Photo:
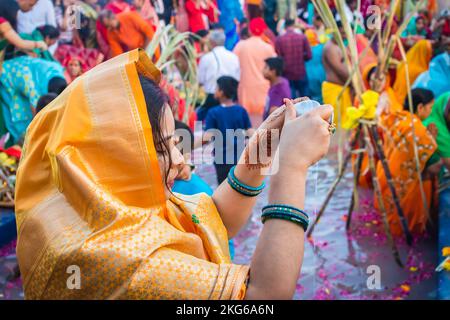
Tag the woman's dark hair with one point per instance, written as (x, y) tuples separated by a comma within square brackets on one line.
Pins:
[(156, 99), (419, 96), (229, 87), (49, 31), (45, 100), (275, 63)]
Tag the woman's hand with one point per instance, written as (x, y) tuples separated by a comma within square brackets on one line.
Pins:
[(259, 151), (41, 45), (306, 139)]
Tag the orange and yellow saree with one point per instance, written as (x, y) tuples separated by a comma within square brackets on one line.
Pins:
[(89, 197), (399, 151), (418, 58)]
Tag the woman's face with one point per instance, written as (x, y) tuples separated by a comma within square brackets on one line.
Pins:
[(168, 173), (74, 68)]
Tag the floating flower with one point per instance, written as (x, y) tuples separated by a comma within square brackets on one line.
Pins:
[(405, 288)]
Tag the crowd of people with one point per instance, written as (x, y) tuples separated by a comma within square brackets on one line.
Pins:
[(254, 58)]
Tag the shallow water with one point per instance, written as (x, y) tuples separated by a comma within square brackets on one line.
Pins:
[(335, 263)]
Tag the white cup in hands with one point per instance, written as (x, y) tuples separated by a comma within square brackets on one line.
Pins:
[(305, 139)]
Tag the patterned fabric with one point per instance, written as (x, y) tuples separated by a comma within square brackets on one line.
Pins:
[(96, 202), (23, 81), (399, 151)]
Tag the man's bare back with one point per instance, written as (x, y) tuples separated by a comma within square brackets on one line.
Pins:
[(333, 62)]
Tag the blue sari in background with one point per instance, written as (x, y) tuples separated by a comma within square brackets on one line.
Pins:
[(437, 78), (316, 73), (23, 81), (230, 10)]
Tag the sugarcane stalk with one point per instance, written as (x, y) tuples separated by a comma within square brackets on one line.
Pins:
[(376, 187), (335, 183), (354, 198), (415, 148), (379, 150)]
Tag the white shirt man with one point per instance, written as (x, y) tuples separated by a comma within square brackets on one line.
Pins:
[(42, 13), (215, 64)]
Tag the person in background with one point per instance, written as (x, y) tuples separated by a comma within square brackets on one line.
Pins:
[(201, 13), (437, 77), (440, 119), (43, 13), (230, 18), (74, 68), (336, 76), (49, 34), (270, 14), (116, 6), (9, 36), (24, 79), (314, 67), (418, 59), (400, 156), (254, 9), (252, 53), (147, 12), (126, 31), (279, 86), (9, 10), (45, 100), (216, 63), (226, 116), (294, 48)]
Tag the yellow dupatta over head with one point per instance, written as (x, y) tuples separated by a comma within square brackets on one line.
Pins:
[(90, 202), (418, 58)]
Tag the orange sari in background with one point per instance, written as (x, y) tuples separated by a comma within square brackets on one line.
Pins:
[(418, 57), (90, 198), (399, 151)]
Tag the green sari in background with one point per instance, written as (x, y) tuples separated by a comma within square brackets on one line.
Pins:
[(438, 117), (37, 36)]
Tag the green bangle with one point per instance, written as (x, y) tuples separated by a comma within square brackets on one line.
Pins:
[(242, 188), (294, 215), (297, 221), (282, 208)]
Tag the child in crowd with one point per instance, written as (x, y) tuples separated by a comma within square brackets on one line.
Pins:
[(229, 125), (279, 86)]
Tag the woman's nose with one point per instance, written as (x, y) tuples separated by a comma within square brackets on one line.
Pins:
[(177, 157)]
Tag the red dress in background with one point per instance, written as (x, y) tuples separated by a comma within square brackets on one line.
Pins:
[(198, 16)]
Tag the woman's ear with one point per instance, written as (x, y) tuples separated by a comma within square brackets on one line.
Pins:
[(420, 108)]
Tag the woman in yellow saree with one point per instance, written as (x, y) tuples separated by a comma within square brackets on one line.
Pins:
[(93, 195), (418, 58)]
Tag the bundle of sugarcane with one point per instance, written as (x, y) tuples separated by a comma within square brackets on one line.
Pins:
[(178, 63), (366, 128)]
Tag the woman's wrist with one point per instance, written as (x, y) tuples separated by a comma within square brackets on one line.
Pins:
[(287, 187)]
